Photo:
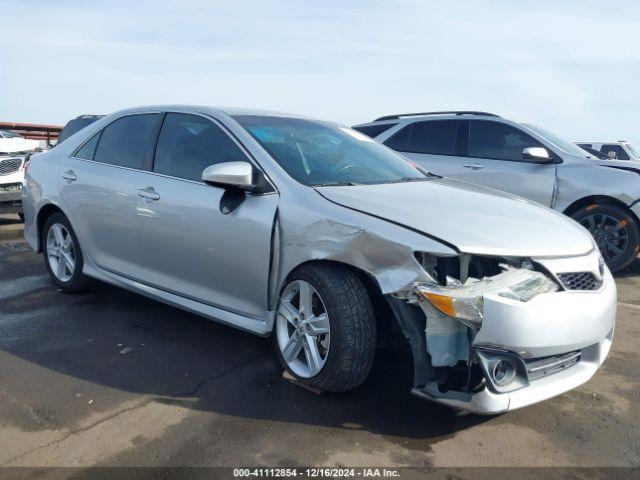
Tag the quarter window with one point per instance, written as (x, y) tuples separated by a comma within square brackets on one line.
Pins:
[(124, 141), (495, 140), (432, 137), (189, 143), (88, 150), (617, 149)]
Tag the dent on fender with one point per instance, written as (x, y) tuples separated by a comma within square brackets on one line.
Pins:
[(385, 251)]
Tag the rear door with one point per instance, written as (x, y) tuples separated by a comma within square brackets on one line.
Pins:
[(432, 144), (187, 245), (494, 159), (97, 186)]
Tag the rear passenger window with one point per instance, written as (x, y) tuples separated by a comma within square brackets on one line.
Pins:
[(189, 143), (124, 141), (88, 149), (495, 140), (374, 130), (433, 137)]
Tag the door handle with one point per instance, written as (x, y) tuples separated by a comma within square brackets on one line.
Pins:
[(473, 166), (148, 194), (69, 175)]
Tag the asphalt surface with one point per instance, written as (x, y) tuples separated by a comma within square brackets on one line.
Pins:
[(110, 378)]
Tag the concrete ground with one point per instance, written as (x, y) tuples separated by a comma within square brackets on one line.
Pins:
[(191, 392)]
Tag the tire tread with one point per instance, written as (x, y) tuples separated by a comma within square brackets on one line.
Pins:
[(353, 340)]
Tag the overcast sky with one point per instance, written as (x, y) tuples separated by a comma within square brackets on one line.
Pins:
[(570, 66)]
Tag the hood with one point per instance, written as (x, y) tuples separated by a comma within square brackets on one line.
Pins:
[(11, 145), (472, 218)]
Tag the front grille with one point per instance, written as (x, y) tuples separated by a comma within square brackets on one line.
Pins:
[(10, 165), (545, 366), (580, 281)]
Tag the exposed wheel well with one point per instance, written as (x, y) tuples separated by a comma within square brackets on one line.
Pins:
[(381, 308), (595, 199), (44, 213)]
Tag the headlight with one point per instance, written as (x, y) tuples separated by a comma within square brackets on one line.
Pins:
[(465, 301)]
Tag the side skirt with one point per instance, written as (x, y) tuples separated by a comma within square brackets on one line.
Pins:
[(256, 326)]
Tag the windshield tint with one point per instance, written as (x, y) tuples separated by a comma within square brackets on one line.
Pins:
[(316, 153), (568, 147)]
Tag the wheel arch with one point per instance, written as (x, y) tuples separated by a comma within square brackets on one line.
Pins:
[(43, 214), (599, 199), (381, 307)]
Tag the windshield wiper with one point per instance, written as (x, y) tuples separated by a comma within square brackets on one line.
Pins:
[(412, 179), (337, 184)]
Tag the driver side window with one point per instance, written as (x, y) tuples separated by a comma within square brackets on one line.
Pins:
[(499, 141), (189, 143)]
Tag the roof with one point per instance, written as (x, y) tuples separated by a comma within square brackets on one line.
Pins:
[(213, 109), (446, 112)]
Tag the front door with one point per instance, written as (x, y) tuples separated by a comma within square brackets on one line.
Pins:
[(187, 245), (494, 159)]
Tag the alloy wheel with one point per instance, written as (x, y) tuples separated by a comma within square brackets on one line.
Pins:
[(610, 234), (60, 252), (303, 329)]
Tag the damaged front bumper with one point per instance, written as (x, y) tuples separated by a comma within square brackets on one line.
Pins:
[(523, 352), (487, 401)]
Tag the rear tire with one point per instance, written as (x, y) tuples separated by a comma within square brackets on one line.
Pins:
[(62, 254), (614, 230), (347, 345)]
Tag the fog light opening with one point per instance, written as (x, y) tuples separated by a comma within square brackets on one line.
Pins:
[(503, 372)]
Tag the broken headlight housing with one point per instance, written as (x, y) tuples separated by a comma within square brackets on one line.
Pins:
[(464, 301)]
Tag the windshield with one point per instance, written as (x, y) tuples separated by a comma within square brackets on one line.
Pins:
[(74, 126), (316, 153), (9, 134), (631, 150), (557, 141)]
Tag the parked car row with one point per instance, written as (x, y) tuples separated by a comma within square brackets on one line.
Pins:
[(329, 241), (14, 149)]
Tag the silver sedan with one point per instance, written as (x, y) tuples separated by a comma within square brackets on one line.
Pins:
[(312, 233)]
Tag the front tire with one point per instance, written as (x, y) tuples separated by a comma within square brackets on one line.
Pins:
[(615, 232), (62, 254), (325, 329)]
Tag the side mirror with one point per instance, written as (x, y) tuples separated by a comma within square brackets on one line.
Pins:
[(237, 178), (537, 154), (612, 155), (230, 174)]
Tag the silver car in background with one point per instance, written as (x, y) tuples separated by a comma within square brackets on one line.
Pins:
[(527, 161), (313, 233)]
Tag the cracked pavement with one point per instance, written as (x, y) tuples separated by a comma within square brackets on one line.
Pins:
[(191, 392)]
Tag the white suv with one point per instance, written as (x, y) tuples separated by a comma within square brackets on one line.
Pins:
[(527, 161), (620, 150), (13, 151)]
